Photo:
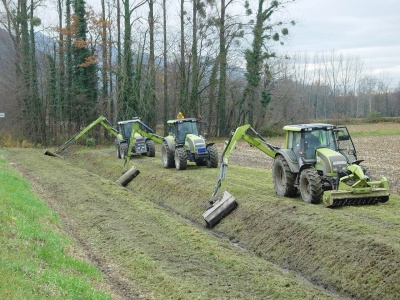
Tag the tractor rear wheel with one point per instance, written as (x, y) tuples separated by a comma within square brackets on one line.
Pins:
[(284, 179), (212, 161), (310, 186), (180, 158), (123, 150), (167, 156), (151, 148), (117, 152)]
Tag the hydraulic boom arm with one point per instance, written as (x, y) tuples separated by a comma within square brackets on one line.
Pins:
[(101, 120), (240, 133)]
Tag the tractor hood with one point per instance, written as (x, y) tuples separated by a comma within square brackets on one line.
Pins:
[(195, 143), (330, 162)]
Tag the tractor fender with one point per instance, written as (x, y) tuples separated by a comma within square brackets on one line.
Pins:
[(290, 158), (209, 144), (119, 139)]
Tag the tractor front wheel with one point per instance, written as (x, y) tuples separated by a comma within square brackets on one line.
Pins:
[(284, 179), (180, 158), (151, 148), (167, 156), (310, 186), (212, 161)]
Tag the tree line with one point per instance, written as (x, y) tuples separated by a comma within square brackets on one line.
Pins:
[(217, 59)]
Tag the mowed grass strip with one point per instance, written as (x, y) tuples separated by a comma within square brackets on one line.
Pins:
[(36, 260), (163, 253), (354, 251)]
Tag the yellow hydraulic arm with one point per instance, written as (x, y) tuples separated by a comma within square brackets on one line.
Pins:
[(101, 120), (240, 133)]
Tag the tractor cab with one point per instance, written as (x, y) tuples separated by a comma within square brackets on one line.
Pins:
[(305, 139), (179, 128), (123, 138)]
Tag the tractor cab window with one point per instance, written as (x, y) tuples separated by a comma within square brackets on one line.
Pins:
[(326, 138), (345, 144), (311, 143), (126, 129), (185, 128), (295, 142)]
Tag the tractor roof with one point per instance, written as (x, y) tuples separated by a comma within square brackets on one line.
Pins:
[(175, 121), (308, 127)]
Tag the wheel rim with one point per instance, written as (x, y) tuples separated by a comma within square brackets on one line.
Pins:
[(306, 187), (164, 156), (280, 179)]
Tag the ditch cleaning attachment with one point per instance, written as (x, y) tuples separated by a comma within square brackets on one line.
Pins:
[(222, 202), (357, 189)]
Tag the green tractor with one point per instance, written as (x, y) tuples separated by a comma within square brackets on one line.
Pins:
[(319, 162), (128, 137), (184, 143)]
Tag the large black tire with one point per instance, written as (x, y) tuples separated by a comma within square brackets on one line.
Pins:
[(310, 186), (212, 161), (284, 179), (167, 156), (151, 148), (123, 150), (180, 158)]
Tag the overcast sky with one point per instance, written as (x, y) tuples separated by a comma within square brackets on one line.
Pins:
[(369, 30), (366, 29)]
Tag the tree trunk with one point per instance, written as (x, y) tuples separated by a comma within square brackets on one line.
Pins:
[(182, 79), (221, 104), (152, 83), (165, 86), (195, 68)]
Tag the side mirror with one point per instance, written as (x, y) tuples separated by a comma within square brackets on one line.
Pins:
[(343, 137)]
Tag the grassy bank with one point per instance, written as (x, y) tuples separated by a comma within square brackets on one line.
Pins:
[(162, 254), (354, 251), (37, 261)]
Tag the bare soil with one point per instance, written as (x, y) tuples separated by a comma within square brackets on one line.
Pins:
[(351, 252)]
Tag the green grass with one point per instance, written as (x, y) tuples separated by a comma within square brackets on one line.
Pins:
[(377, 132), (162, 254), (36, 260), (352, 250)]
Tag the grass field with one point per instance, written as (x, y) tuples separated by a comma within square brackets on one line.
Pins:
[(37, 260)]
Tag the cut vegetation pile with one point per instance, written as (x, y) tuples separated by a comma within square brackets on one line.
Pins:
[(154, 234)]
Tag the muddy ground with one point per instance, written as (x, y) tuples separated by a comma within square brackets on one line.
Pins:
[(293, 249)]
